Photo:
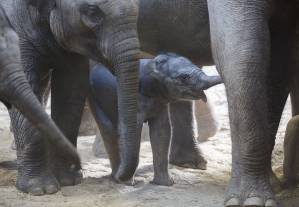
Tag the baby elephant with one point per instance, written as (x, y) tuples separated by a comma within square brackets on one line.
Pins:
[(166, 78)]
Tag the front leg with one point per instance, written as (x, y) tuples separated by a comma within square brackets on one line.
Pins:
[(291, 139), (69, 91), (185, 151), (160, 133), (241, 48), (108, 131)]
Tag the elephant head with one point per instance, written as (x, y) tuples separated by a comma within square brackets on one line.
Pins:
[(106, 31), (15, 90), (178, 77)]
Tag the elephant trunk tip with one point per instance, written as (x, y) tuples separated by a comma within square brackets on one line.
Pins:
[(126, 171), (63, 145), (212, 81)]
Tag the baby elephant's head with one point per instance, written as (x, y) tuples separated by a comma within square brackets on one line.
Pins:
[(181, 78)]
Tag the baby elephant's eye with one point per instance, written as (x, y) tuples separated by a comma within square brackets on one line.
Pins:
[(161, 61), (184, 77)]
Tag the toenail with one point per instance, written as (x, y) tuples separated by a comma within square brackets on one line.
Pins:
[(36, 191), (271, 203), (254, 202), (233, 202), (51, 189)]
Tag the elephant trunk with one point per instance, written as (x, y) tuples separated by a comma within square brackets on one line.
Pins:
[(205, 81), (126, 61), (16, 90)]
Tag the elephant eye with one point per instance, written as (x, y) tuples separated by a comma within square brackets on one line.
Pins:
[(92, 10), (161, 61), (92, 15), (184, 77)]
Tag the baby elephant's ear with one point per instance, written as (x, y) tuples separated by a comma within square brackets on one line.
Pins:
[(154, 72)]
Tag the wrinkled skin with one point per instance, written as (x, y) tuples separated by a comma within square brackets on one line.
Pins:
[(254, 48), (254, 45), (16, 91), (58, 37), (163, 80)]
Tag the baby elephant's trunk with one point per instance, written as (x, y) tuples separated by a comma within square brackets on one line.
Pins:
[(206, 82)]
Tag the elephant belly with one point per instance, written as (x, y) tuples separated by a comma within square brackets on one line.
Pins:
[(178, 26)]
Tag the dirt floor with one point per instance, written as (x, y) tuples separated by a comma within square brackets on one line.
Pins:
[(192, 187)]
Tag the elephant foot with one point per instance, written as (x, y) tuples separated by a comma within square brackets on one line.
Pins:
[(68, 176), (248, 191), (130, 182), (188, 158), (164, 180), (45, 183)]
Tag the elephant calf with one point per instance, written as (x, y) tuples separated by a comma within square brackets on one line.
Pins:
[(166, 78)]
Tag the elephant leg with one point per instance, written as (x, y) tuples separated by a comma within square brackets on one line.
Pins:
[(241, 46), (34, 174), (290, 164), (160, 134), (185, 151), (291, 140), (282, 68), (109, 134), (69, 89)]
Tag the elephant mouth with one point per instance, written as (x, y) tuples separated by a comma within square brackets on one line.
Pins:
[(202, 96), (195, 96)]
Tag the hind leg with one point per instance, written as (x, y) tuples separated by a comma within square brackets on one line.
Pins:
[(185, 151), (291, 144)]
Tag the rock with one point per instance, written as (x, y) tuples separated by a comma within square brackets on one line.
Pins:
[(98, 147), (207, 125), (88, 125)]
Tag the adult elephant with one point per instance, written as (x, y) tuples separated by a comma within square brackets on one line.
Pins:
[(253, 45), (60, 36)]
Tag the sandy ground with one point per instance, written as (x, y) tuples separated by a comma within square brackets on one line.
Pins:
[(192, 187)]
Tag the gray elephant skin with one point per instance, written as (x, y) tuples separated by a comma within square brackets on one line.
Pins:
[(16, 91), (255, 48), (58, 37), (166, 78)]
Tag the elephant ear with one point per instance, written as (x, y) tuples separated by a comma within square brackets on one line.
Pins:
[(151, 66), (91, 15)]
